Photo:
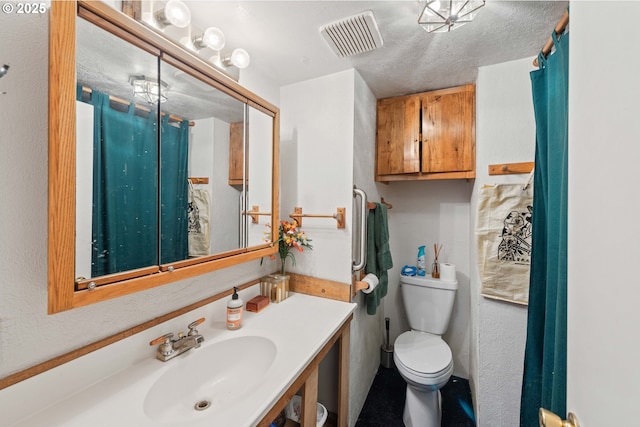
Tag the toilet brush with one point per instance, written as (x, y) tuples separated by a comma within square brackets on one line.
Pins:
[(386, 351)]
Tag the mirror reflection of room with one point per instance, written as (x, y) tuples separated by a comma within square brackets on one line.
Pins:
[(157, 152)]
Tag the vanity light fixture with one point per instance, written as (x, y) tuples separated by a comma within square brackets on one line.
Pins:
[(441, 16), (174, 13), (148, 89), (213, 38), (238, 58), (3, 70)]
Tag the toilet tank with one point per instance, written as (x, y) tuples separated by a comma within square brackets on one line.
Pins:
[(428, 302)]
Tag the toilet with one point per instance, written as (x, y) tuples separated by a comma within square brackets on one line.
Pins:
[(421, 356)]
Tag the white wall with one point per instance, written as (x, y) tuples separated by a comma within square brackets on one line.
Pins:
[(603, 232), (505, 133), (366, 330), (27, 334), (316, 157), (322, 120), (424, 213)]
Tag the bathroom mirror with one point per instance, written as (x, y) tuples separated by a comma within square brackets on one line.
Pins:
[(144, 140)]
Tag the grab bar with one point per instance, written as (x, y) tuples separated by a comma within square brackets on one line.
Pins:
[(363, 229)]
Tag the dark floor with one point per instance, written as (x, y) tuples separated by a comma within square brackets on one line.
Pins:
[(385, 402)]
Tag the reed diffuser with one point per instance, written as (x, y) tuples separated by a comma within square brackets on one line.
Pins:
[(435, 269)]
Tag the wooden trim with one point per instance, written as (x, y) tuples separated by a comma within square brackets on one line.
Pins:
[(132, 8), (62, 153), (320, 287), (343, 379), (61, 216), (286, 396), (309, 398), (82, 351), (127, 287), (199, 180), (511, 168), (144, 108), (116, 277), (426, 176), (339, 216), (275, 177)]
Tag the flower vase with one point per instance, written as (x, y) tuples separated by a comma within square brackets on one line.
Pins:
[(283, 265)]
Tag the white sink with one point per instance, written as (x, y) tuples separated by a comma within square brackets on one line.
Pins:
[(209, 379)]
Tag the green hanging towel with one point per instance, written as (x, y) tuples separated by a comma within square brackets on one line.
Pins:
[(378, 255)]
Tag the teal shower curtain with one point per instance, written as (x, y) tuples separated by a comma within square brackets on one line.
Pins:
[(545, 364), (174, 150), (125, 191), (127, 205)]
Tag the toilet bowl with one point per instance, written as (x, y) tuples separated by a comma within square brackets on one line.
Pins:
[(421, 356), (425, 363)]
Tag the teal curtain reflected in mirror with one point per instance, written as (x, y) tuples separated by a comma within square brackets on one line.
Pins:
[(128, 229), (174, 143), (125, 192)]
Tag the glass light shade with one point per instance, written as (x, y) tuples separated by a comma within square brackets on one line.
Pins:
[(447, 15), (239, 58), (213, 38), (151, 91), (174, 13)]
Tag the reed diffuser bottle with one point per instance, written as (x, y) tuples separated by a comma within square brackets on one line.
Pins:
[(435, 269)]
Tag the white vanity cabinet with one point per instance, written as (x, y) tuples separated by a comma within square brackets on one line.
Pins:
[(111, 387)]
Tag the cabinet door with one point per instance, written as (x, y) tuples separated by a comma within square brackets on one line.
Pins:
[(448, 130), (398, 130), (236, 153)]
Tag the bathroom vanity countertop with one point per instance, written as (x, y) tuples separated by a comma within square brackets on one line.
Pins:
[(298, 326)]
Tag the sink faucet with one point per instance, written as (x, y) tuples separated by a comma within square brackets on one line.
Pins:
[(170, 348)]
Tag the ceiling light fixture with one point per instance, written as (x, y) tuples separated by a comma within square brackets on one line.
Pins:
[(238, 58), (213, 38), (148, 89), (174, 13), (444, 16)]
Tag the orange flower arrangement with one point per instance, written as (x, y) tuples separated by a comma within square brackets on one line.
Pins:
[(290, 237)]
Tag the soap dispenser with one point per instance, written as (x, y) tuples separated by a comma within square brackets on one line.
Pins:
[(234, 311)]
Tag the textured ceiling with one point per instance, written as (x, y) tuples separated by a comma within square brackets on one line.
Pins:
[(284, 40)]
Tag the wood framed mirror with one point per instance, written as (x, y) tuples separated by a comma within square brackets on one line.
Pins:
[(209, 110)]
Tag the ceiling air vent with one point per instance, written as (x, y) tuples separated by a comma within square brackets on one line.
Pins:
[(353, 35)]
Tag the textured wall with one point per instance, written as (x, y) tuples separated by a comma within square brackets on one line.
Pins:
[(505, 133), (426, 212), (328, 135), (603, 313)]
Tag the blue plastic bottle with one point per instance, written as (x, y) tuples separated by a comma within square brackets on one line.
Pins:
[(422, 264)]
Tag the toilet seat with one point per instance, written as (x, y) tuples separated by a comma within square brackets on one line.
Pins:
[(423, 358)]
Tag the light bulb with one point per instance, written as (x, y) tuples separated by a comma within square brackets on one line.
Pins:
[(213, 38), (175, 13), (240, 58), (433, 8)]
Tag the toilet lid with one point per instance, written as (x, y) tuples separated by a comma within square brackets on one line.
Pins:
[(423, 352)]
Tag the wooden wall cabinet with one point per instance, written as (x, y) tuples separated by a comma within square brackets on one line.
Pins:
[(237, 165), (429, 135)]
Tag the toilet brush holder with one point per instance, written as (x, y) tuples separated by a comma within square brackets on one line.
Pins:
[(386, 356), (386, 350)]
